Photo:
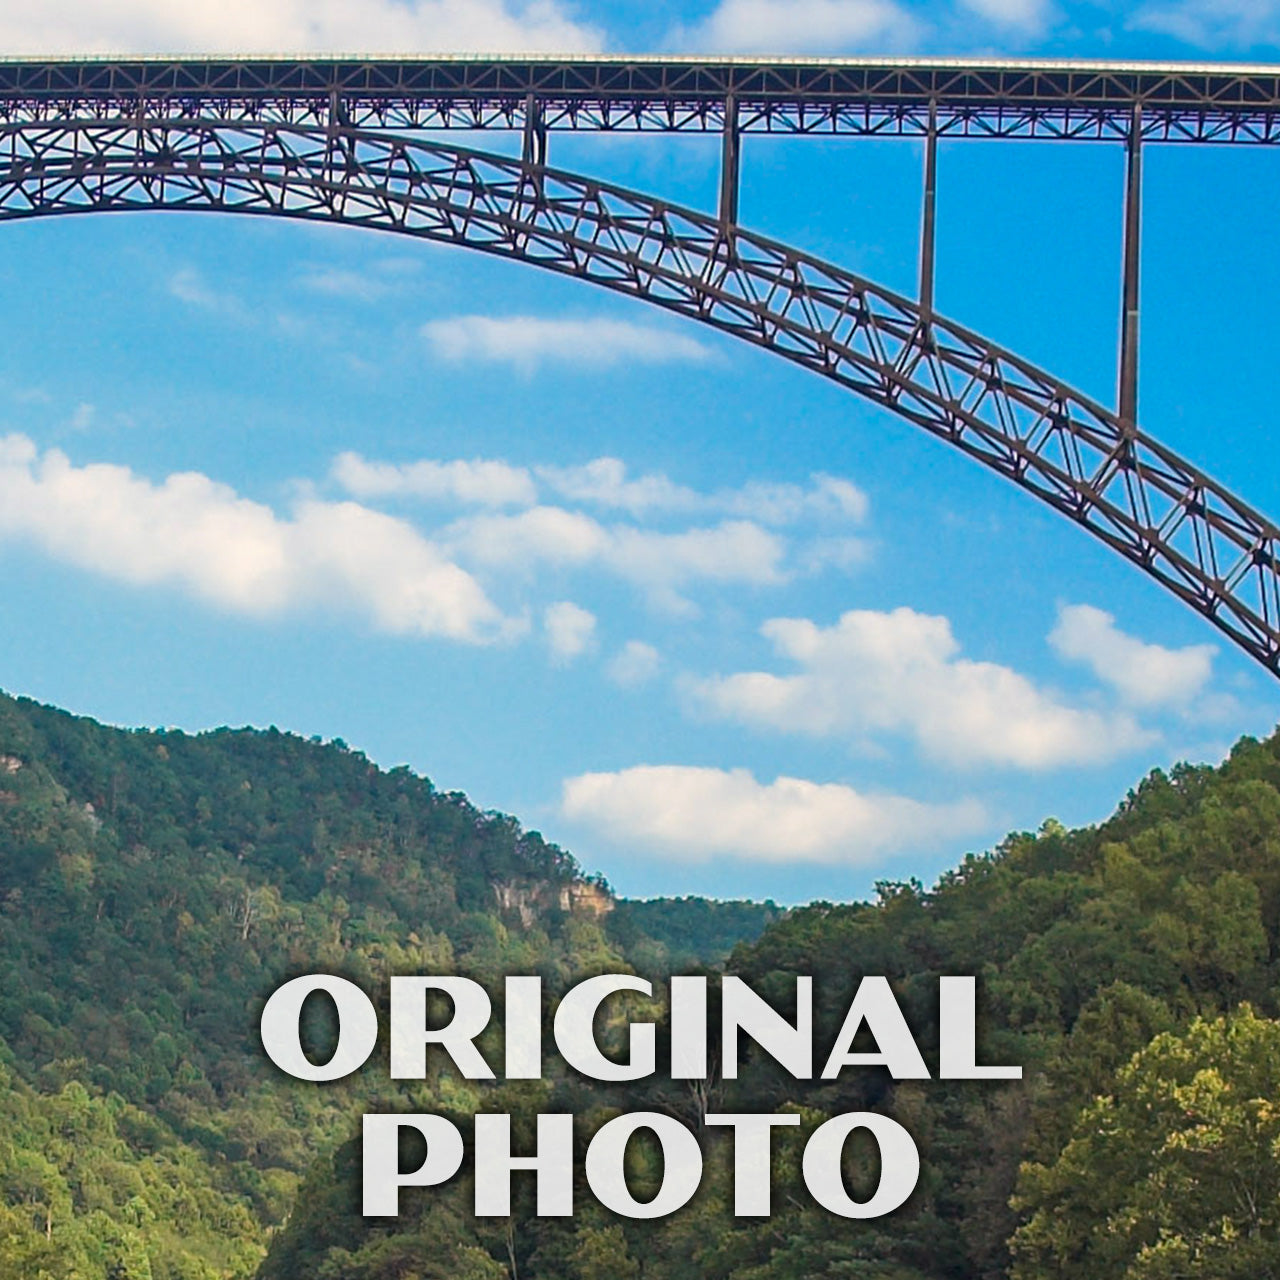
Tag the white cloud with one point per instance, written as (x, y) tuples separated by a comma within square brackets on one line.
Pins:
[(901, 672), (1028, 16), (844, 554), (827, 497), (540, 535), (189, 286), (662, 564), (734, 551), (84, 417), (803, 26), (1213, 24), (478, 482), (341, 282), (1145, 675), (634, 664), (605, 482), (192, 532), (693, 814), (530, 341), (571, 630), (292, 26)]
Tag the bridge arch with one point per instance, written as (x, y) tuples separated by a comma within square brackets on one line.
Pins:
[(1211, 549)]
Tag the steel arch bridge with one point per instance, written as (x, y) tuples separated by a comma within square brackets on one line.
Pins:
[(352, 142)]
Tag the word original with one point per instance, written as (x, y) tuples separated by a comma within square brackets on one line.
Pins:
[(873, 1013)]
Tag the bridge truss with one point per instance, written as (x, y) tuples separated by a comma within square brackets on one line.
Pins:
[(299, 140)]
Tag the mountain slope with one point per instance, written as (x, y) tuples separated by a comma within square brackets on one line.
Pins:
[(155, 888), (1091, 946)]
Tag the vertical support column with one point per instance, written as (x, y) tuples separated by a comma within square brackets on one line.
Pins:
[(339, 150), (534, 150), (338, 117), (928, 220), (1132, 257), (729, 164)]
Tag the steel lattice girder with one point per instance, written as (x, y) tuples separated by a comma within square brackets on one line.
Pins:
[(1074, 100), (1208, 547)]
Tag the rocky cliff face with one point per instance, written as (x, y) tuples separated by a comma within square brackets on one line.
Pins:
[(584, 897), (528, 901)]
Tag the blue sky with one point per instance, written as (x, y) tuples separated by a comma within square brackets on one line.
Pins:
[(708, 622)]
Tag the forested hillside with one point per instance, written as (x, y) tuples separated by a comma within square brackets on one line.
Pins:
[(1132, 968), (156, 887)]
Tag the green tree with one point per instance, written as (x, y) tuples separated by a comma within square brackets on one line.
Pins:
[(1174, 1175), (600, 1253)]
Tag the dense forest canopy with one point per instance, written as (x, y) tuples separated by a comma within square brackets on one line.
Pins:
[(155, 887)]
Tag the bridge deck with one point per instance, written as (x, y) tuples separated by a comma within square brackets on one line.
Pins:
[(1212, 102)]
